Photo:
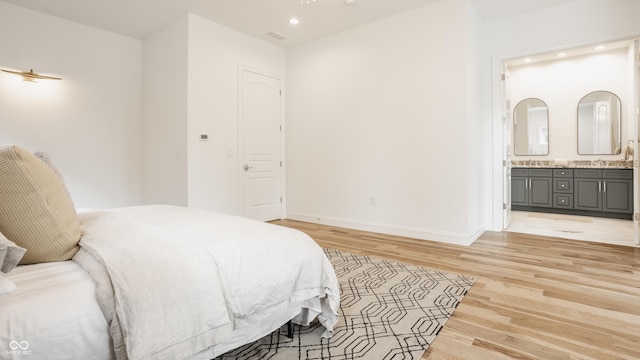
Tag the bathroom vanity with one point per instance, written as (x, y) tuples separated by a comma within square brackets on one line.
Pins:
[(601, 188), (590, 191)]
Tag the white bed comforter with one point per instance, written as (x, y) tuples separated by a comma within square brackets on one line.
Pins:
[(174, 281)]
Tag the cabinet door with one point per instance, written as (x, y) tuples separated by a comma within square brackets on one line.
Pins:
[(540, 193), (587, 194), (617, 196), (519, 191)]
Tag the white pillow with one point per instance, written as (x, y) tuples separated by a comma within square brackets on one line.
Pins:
[(6, 286), (46, 158), (10, 254)]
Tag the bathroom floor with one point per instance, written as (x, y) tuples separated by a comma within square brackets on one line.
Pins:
[(611, 231)]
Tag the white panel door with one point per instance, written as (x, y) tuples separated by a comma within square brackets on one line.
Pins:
[(260, 132)]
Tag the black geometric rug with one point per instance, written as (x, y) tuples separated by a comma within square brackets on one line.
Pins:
[(388, 310)]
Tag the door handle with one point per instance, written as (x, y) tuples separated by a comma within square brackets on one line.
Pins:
[(247, 167)]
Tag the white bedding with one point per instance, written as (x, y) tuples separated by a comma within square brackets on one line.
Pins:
[(191, 282), (266, 275), (52, 315)]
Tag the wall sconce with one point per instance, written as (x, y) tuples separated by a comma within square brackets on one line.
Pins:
[(31, 76)]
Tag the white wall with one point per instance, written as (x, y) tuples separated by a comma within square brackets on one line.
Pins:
[(383, 111), (573, 24), (191, 88), (90, 120), (215, 55), (164, 120), (561, 84), (375, 111), (478, 134)]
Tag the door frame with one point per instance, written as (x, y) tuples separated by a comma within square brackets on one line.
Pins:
[(241, 141), (507, 136), (635, 131), (497, 114)]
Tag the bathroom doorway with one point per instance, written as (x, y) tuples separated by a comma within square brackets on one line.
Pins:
[(563, 135)]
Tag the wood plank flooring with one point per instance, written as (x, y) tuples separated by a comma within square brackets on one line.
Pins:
[(535, 297)]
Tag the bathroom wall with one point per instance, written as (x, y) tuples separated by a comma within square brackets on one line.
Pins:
[(561, 84)]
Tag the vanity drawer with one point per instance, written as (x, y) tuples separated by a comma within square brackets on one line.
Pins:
[(587, 173), (563, 185), (568, 173), (563, 201), (540, 172), (617, 174), (519, 172)]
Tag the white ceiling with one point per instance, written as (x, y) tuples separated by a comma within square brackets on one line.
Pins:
[(534, 59), (257, 18)]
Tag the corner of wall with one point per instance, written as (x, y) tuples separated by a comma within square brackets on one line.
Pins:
[(164, 116)]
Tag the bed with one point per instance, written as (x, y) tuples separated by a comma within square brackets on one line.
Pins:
[(150, 282)]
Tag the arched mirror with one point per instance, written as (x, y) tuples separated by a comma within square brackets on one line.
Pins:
[(531, 127), (599, 124)]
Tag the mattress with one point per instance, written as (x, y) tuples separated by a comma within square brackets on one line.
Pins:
[(53, 314)]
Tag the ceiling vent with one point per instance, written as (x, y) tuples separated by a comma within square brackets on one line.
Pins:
[(275, 35)]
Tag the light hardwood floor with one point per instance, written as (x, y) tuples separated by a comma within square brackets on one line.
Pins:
[(610, 231), (535, 297)]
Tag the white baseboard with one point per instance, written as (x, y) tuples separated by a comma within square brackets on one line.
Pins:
[(416, 233)]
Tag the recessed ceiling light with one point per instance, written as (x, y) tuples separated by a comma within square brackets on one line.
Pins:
[(294, 21), (600, 47), (527, 60), (562, 54)]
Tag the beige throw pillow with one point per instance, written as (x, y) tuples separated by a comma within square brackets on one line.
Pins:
[(35, 210)]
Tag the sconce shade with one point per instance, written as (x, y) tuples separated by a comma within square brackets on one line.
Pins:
[(30, 75)]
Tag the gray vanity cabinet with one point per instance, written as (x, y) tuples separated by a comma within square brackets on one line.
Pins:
[(520, 187), (563, 188), (531, 187), (588, 189), (578, 191), (608, 190), (618, 196)]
